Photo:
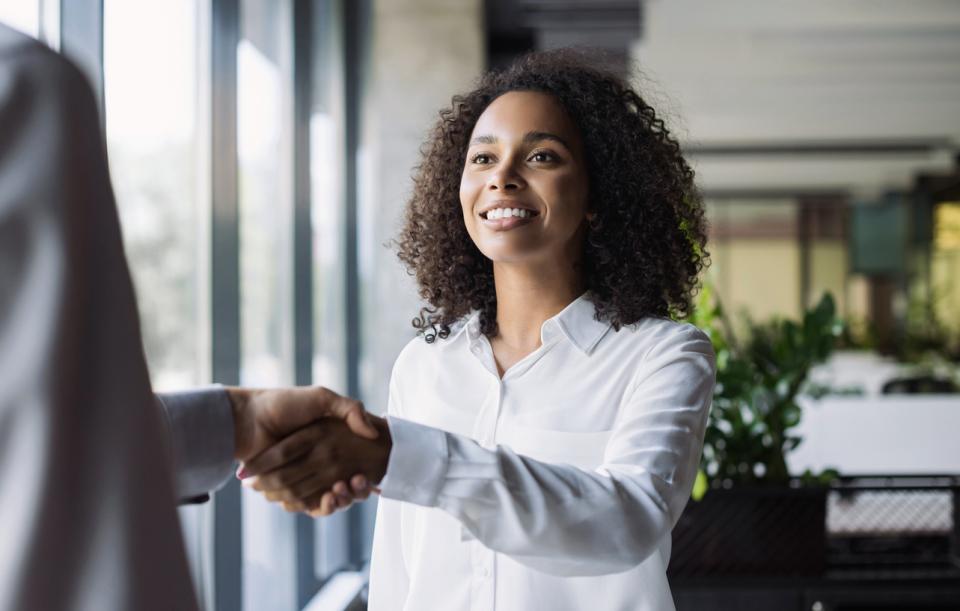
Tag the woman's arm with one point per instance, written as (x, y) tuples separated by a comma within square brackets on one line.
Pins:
[(560, 519)]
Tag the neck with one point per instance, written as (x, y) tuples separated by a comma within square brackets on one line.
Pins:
[(528, 295)]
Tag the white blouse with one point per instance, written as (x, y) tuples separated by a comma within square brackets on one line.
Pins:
[(555, 487)]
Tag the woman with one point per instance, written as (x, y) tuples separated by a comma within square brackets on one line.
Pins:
[(554, 229)]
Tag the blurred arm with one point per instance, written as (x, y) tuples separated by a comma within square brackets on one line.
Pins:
[(201, 426)]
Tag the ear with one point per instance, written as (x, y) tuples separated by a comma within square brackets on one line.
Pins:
[(590, 216)]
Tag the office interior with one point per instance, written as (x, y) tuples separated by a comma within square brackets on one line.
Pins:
[(261, 153)]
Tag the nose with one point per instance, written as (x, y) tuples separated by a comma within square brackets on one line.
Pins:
[(505, 178)]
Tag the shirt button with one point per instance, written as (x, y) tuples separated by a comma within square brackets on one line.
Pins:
[(475, 349), (485, 572)]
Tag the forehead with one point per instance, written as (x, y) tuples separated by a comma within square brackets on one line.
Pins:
[(516, 113)]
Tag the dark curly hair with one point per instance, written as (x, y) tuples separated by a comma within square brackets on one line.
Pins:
[(645, 245)]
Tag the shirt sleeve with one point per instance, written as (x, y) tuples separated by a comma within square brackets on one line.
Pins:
[(200, 423), (560, 519)]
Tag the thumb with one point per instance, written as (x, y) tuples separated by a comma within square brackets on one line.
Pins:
[(357, 419)]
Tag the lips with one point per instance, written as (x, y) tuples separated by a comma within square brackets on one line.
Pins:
[(507, 224)]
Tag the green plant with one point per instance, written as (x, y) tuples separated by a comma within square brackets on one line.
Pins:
[(755, 408)]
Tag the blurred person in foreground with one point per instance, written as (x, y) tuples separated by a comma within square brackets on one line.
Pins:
[(547, 425), (91, 463)]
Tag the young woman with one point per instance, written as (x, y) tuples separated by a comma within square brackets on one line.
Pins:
[(547, 424)]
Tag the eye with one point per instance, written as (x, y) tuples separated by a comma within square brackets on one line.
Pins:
[(543, 157), (480, 159)]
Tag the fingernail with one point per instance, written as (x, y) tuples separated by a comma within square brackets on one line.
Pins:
[(241, 473)]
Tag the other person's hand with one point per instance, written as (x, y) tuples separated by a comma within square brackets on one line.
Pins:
[(262, 417)]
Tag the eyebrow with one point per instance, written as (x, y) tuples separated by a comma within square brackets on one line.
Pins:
[(528, 138)]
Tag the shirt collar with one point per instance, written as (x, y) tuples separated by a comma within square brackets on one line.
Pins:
[(577, 322)]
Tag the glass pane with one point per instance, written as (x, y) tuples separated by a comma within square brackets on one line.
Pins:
[(264, 64), (22, 15), (151, 86)]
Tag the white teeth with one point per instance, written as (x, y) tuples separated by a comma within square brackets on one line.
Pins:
[(505, 213)]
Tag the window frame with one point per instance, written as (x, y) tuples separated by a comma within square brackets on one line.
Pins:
[(76, 28)]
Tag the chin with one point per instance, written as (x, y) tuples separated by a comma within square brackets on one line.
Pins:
[(511, 255)]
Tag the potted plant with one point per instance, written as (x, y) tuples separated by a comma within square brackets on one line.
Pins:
[(749, 515)]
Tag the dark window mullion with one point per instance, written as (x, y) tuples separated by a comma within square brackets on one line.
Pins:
[(225, 272), (307, 582), (356, 19)]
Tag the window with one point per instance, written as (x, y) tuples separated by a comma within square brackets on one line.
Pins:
[(264, 144), (154, 138), (172, 151), (22, 15)]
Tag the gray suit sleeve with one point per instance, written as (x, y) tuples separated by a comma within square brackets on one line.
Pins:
[(201, 440)]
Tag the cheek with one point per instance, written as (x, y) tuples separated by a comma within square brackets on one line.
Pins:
[(471, 188), (569, 196), (468, 199)]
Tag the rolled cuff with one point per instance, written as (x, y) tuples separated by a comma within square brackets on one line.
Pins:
[(418, 463), (201, 439)]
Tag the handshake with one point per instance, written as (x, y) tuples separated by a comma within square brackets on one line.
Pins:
[(301, 446)]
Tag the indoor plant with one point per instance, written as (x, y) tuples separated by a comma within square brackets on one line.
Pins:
[(749, 516)]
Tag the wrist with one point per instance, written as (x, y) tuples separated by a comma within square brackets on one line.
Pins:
[(385, 441)]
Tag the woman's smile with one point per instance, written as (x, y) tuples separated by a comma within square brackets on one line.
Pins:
[(504, 214)]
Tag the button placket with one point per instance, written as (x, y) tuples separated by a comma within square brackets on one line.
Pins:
[(483, 582)]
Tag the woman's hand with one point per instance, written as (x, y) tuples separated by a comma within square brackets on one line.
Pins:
[(341, 496), (309, 470)]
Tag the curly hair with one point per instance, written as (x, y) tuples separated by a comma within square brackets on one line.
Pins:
[(645, 243)]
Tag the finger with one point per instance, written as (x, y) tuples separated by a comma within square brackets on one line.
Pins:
[(344, 495), (322, 506), (301, 491), (286, 477), (359, 489), (359, 485), (283, 452), (355, 491), (278, 497)]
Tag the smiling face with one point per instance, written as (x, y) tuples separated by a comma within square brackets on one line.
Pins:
[(524, 184)]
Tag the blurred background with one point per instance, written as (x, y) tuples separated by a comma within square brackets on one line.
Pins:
[(261, 153)]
